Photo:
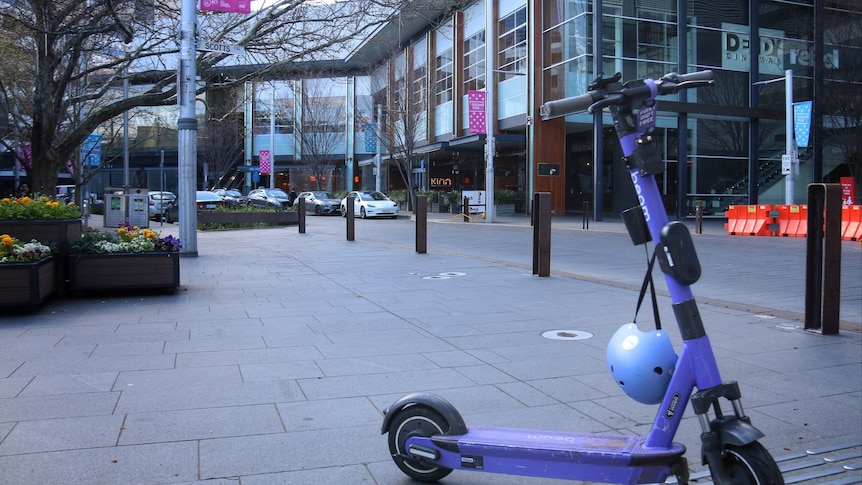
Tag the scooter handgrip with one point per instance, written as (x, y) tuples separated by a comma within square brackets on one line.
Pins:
[(695, 76), (567, 106)]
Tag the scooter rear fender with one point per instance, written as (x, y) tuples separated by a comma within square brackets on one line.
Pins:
[(457, 426)]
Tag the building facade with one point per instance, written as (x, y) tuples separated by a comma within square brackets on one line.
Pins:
[(398, 111)]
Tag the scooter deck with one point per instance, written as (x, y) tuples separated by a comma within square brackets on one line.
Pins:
[(594, 448), (555, 454)]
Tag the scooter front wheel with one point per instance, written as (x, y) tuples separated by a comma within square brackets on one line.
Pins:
[(413, 421), (751, 465)]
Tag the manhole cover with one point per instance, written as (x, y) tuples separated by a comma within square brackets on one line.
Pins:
[(452, 273), (567, 335), (437, 277)]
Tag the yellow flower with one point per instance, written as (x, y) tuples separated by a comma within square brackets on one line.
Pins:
[(7, 200), (25, 200), (7, 240)]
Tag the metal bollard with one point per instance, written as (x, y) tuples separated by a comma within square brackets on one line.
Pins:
[(698, 218), (421, 224), (585, 224), (466, 209), (351, 220), (301, 211), (542, 234), (823, 259)]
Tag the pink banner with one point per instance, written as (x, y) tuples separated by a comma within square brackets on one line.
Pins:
[(232, 6), (264, 161), (476, 111)]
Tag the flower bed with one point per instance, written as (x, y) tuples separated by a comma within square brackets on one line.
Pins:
[(123, 271), (27, 284), (27, 272), (130, 258)]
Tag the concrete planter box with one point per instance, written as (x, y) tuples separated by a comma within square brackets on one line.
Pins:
[(504, 209), (27, 284), (123, 271)]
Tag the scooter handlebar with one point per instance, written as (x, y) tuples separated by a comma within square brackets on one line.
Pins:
[(575, 104), (668, 84), (673, 82)]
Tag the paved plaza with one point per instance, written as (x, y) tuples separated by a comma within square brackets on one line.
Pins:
[(273, 362)]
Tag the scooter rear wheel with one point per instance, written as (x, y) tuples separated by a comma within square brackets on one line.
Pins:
[(413, 421), (751, 465)]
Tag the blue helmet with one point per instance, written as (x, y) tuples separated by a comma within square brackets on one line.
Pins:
[(641, 362)]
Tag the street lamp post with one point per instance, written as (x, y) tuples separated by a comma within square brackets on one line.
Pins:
[(490, 112), (789, 163), (187, 126)]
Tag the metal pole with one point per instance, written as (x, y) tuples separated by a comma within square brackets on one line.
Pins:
[(490, 56), (126, 184), (272, 141), (789, 140), (378, 177), (162, 186), (187, 127)]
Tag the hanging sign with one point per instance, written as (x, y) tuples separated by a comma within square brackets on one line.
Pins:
[(264, 159), (476, 111), (231, 6), (802, 122)]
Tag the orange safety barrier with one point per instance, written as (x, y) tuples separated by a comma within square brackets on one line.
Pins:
[(734, 223), (752, 220), (851, 223), (792, 220)]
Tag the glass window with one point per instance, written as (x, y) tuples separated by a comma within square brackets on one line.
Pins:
[(474, 62), (512, 42), (443, 77)]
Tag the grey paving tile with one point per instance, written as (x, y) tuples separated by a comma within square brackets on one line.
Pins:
[(196, 396), (252, 356), (160, 463), (302, 450), (57, 384), (200, 424), (25, 408), (62, 434)]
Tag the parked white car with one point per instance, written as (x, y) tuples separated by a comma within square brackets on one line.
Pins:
[(370, 203)]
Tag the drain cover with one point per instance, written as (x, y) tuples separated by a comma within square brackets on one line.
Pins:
[(437, 277), (567, 335), (452, 273)]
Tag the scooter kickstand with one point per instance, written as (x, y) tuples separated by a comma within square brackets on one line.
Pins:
[(679, 469)]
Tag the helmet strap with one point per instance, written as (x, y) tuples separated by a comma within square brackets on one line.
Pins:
[(648, 282)]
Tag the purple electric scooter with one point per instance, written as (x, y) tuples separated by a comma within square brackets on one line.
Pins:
[(428, 438)]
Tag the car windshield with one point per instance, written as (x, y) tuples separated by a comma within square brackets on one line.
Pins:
[(373, 196), (322, 195), (276, 193), (207, 196), (164, 196), (232, 193)]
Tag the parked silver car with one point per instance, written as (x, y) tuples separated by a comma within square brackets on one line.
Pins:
[(159, 203), (320, 202)]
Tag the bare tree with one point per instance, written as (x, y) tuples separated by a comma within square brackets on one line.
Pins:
[(324, 117), (76, 55), (401, 87), (221, 138)]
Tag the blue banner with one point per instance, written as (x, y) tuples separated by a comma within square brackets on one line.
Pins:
[(91, 151), (802, 122)]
